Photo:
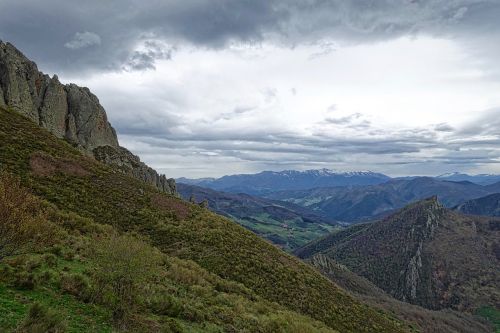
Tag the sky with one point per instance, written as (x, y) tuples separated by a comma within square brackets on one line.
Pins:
[(204, 88)]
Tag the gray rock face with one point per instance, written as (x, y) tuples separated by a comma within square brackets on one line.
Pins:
[(70, 112), (130, 164), (90, 121)]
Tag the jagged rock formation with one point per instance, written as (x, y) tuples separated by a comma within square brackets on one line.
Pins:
[(424, 254), (68, 111), (132, 165)]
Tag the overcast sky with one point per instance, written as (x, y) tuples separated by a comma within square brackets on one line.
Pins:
[(211, 87)]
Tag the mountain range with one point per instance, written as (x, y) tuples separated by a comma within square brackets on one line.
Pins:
[(481, 179), (353, 204), (271, 181)]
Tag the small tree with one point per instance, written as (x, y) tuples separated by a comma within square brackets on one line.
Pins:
[(23, 224)]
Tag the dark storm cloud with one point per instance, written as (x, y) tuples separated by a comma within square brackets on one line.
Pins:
[(81, 35)]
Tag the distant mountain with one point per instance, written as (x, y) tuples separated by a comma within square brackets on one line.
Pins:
[(271, 181), (352, 204), (199, 181), (488, 205), (285, 224), (424, 254), (481, 179)]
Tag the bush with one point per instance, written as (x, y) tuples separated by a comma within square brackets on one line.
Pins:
[(124, 265), (76, 285), (24, 280), (50, 259), (23, 225), (172, 326), (166, 305), (41, 320)]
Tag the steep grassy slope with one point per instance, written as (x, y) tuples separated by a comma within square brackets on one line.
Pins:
[(74, 183), (424, 254), (85, 277), (423, 320), (287, 225)]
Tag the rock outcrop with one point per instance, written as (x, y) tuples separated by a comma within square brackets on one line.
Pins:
[(130, 164), (69, 112)]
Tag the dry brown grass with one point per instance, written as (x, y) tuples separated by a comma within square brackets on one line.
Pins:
[(23, 224), (45, 165)]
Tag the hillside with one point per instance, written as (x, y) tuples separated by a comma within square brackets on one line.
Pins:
[(287, 225), (423, 320), (424, 254), (354, 204), (76, 184), (488, 206), (270, 181)]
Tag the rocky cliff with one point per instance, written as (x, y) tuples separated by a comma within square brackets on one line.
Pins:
[(70, 112)]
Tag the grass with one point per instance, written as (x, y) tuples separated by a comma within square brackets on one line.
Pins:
[(287, 234), (249, 283), (492, 315)]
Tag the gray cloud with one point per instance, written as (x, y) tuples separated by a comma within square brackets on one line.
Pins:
[(443, 127), (146, 58), (487, 124), (49, 31), (129, 35), (82, 40)]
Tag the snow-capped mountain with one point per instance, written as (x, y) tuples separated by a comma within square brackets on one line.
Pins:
[(481, 179), (272, 181)]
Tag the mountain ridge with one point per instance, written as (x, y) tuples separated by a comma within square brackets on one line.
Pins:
[(424, 254), (69, 112), (364, 203), (272, 181)]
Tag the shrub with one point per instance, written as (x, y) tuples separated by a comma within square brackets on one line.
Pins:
[(166, 305), (24, 280), (172, 326), (50, 259), (124, 266), (41, 320), (23, 225), (76, 285)]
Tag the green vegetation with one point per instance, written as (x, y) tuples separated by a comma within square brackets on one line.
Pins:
[(289, 234), (425, 255), (491, 314), (198, 271)]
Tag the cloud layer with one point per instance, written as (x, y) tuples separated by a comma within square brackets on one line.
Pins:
[(202, 88), (52, 30)]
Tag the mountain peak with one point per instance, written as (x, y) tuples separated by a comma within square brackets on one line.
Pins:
[(69, 112), (424, 214)]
